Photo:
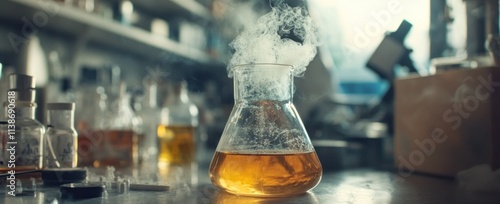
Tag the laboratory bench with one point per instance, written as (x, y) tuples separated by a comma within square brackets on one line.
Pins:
[(362, 185)]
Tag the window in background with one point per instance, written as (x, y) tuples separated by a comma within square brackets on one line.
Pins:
[(352, 30)]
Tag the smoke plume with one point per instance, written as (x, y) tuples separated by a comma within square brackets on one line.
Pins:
[(286, 35)]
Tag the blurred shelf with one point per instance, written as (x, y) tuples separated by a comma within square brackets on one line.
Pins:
[(169, 8), (80, 24)]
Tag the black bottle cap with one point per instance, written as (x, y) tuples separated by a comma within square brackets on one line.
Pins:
[(58, 176), (75, 191)]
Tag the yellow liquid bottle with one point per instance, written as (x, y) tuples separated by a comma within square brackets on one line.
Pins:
[(177, 129), (176, 145)]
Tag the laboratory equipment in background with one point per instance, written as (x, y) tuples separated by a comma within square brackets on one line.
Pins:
[(359, 134), (176, 132), (29, 133), (118, 131), (264, 149), (90, 98), (60, 87), (66, 91), (86, 5), (447, 122), (110, 78), (147, 109), (389, 53), (61, 144), (90, 108)]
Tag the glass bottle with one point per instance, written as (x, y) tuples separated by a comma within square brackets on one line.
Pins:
[(176, 132), (61, 137), (118, 130), (90, 99), (91, 104), (28, 136), (264, 150), (149, 112)]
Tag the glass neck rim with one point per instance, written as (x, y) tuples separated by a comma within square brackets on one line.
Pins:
[(60, 118), (260, 66), (263, 81)]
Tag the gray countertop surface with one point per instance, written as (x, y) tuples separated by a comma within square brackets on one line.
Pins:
[(348, 186)]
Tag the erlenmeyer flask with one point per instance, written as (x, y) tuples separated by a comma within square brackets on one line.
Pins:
[(264, 149)]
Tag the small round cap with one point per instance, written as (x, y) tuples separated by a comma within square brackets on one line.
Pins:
[(60, 106), (75, 191), (58, 176)]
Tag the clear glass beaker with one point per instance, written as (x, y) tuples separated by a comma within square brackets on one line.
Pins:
[(264, 150)]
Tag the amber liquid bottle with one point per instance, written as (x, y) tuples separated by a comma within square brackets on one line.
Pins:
[(90, 109), (177, 144), (264, 150), (117, 133), (176, 132)]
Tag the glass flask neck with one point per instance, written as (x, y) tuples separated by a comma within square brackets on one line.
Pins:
[(179, 94), (255, 82), (150, 96), (60, 118)]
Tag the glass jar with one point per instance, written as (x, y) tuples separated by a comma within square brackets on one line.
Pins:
[(27, 137), (176, 132), (61, 137), (118, 132), (264, 150)]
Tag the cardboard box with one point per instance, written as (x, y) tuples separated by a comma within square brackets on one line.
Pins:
[(448, 122)]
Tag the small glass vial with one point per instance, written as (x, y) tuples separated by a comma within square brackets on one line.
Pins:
[(28, 136), (176, 132), (61, 137)]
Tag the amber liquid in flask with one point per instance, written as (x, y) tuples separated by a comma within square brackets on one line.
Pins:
[(266, 174), (264, 150), (176, 145)]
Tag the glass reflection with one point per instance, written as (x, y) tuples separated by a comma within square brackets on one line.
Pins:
[(221, 197)]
